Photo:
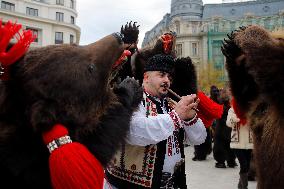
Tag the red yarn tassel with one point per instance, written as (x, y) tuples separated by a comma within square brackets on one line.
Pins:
[(122, 59), (168, 39), (208, 109), (72, 165), (7, 32)]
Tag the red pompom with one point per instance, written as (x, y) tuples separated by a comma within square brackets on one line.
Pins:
[(72, 165), (208, 109)]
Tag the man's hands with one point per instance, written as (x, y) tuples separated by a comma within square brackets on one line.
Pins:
[(185, 105)]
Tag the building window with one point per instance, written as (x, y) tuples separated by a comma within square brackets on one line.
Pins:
[(58, 37), (7, 6), (216, 27), (217, 55), (71, 39), (179, 50), (177, 25), (233, 11), (194, 29), (35, 32), (59, 2), (266, 8), (72, 4), (59, 16), (72, 20), (194, 49), (31, 11)]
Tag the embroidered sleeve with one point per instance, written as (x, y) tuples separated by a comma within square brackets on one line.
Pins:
[(149, 130), (190, 122), (196, 133), (176, 119)]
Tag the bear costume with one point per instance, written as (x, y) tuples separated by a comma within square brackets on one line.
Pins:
[(62, 85), (255, 64)]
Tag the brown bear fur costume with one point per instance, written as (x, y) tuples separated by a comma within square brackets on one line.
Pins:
[(255, 64), (65, 84)]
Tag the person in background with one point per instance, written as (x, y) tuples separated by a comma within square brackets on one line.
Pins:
[(222, 135), (209, 111), (241, 142)]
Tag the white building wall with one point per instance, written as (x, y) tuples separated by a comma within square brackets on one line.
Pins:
[(45, 22)]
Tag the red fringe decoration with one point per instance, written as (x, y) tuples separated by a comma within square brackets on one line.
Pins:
[(167, 42), (122, 59), (72, 165), (208, 109), (7, 32), (241, 115)]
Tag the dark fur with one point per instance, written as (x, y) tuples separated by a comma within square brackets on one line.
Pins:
[(255, 63), (65, 84), (184, 82)]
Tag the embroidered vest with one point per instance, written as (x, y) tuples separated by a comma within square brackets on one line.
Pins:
[(138, 166)]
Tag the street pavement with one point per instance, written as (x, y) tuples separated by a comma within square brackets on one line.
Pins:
[(204, 175)]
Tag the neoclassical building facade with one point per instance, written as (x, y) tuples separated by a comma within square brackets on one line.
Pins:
[(201, 28), (53, 21)]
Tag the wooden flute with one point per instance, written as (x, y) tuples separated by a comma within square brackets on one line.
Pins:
[(178, 97)]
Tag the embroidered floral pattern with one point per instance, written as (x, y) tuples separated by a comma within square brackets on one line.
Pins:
[(235, 133), (175, 119), (191, 122), (143, 178)]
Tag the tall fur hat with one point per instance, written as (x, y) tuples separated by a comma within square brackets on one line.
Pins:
[(160, 62)]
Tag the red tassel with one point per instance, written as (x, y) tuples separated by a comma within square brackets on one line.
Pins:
[(122, 59), (208, 109), (168, 39), (72, 165), (241, 115), (7, 32)]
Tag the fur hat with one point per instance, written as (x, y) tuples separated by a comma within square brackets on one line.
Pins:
[(160, 62)]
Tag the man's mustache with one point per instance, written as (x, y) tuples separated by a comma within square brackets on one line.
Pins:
[(165, 85)]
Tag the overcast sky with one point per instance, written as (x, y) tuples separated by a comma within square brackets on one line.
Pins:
[(98, 18)]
